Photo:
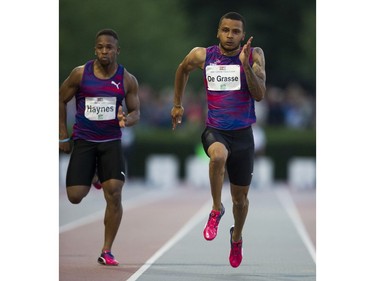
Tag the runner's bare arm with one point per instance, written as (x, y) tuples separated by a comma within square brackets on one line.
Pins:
[(255, 74), (67, 91), (131, 101), (195, 59)]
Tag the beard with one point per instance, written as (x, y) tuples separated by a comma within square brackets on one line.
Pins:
[(231, 49)]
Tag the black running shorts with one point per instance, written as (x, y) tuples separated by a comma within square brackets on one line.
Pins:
[(106, 157), (240, 145)]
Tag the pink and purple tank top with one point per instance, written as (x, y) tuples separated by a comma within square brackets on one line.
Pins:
[(230, 105), (97, 102)]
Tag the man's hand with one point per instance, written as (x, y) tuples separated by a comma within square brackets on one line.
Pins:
[(176, 114), (245, 53), (65, 147), (121, 117)]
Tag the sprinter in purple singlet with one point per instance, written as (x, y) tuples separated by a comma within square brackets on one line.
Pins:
[(100, 87), (234, 77)]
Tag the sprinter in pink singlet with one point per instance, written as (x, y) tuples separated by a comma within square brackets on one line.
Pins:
[(100, 87), (234, 78)]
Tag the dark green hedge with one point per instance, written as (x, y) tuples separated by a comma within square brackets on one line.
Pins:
[(282, 144)]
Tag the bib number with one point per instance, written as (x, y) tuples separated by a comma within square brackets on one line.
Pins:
[(100, 109), (223, 77)]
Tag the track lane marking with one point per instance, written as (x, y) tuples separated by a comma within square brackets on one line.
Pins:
[(290, 207), (197, 218), (127, 203)]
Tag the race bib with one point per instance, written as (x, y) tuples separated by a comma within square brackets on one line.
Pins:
[(223, 77), (100, 109)]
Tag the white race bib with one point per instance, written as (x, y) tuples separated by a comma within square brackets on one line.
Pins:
[(223, 77), (99, 109)]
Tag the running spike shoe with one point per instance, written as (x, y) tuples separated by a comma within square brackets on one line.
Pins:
[(96, 182), (235, 256), (106, 258), (210, 230)]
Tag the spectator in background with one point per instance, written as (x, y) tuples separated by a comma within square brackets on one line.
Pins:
[(275, 100), (298, 107)]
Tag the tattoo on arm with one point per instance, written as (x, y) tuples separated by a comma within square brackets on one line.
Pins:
[(257, 76)]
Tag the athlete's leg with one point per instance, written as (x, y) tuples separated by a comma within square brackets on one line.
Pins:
[(218, 156), (112, 189), (240, 169), (111, 173), (77, 192), (240, 209), (80, 170)]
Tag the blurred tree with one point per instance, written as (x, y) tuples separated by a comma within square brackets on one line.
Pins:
[(152, 35), (155, 35)]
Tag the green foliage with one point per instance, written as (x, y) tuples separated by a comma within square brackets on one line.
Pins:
[(282, 145), (284, 136), (155, 35), (152, 36)]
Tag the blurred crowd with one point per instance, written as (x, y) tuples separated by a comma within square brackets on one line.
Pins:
[(292, 107)]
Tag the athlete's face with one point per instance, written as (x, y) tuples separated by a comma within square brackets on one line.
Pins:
[(230, 33), (106, 49)]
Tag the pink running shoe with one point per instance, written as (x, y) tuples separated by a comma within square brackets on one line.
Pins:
[(96, 182), (235, 256), (210, 231), (106, 258)]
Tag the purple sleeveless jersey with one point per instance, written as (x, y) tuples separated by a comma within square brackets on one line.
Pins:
[(97, 103), (230, 105)]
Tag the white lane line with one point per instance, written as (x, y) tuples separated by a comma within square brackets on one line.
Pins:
[(82, 221), (197, 218), (288, 203), (127, 203)]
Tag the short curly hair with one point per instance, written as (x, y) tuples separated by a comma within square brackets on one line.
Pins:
[(107, 31), (234, 16)]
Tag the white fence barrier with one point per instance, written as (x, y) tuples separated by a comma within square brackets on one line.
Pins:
[(263, 175), (196, 171), (162, 170), (302, 172)]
